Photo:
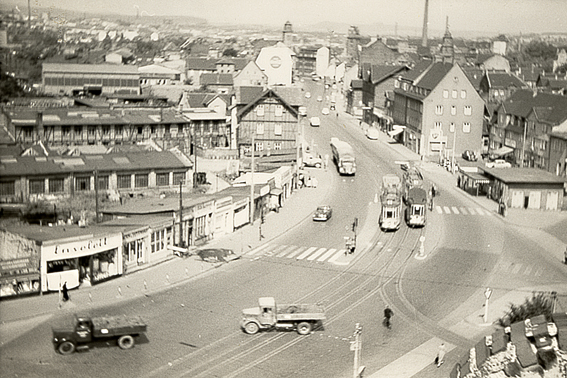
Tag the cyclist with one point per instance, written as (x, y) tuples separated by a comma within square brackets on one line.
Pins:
[(388, 313)]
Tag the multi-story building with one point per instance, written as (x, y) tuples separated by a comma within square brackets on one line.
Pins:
[(96, 79), (497, 86), (523, 125), (438, 112)]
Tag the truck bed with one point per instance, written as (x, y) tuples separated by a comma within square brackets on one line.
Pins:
[(300, 312), (118, 325)]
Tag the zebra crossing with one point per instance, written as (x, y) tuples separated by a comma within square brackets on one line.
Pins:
[(315, 254), (462, 210), (519, 269)]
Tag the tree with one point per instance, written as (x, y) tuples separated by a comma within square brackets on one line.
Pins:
[(538, 304), (540, 51), (9, 87), (230, 52)]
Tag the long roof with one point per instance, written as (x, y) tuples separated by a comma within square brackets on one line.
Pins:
[(522, 102), (504, 80), (523, 176), (118, 162), (90, 68)]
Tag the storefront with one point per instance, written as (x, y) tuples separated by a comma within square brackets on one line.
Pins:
[(81, 260), (19, 276), (473, 181), (223, 216)]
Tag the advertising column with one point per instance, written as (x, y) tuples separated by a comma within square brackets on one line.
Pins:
[(82, 260)]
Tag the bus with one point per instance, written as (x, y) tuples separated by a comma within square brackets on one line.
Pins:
[(391, 203), (343, 156), (416, 204)]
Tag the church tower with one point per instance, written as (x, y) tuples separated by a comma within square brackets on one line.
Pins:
[(287, 38), (447, 49)]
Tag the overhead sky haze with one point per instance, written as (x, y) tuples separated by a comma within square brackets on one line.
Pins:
[(493, 16)]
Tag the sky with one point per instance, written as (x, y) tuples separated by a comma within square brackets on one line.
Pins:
[(496, 16)]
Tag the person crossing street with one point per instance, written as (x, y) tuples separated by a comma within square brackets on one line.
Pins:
[(388, 314)]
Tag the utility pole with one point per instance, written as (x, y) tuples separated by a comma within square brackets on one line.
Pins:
[(252, 178), (181, 244), (96, 194), (356, 346)]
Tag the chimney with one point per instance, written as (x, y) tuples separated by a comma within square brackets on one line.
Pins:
[(425, 23), (39, 125)]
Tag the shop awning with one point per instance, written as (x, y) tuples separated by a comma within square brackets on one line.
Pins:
[(397, 129), (502, 151), (276, 191), (479, 178)]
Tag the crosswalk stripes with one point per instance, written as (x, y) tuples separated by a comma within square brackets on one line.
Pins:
[(317, 254), (461, 210), (519, 268)]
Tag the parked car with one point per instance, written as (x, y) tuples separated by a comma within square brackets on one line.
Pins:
[(323, 213), (372, 133), (325, 111), (315, 121), (498, 163), (217, 255), (319, 98), (470, 155), (307, 95), (312, 161)]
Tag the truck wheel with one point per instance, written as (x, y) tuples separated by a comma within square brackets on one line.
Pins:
[(126, 342), (318, 165), (251, 328), (304, 328), (66, 347)]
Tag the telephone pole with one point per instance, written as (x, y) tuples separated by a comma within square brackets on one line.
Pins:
[(356, 346)]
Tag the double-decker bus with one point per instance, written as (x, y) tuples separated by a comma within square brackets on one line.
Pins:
[(391, 203), (343, 156)]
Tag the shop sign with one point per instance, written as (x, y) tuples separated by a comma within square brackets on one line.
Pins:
[(80, 248), (135, 235), (21, 264), (225, 202)]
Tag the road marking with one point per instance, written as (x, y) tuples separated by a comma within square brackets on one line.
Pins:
[(306, 253), (447, 210), (258, 249), (285, 251), (414, 361), (296, 252), (516, 269), (439, 209), (339, 253), (316, 254), (327, 255), (528, 269), (463, 211), (455, 210), (471, 211)]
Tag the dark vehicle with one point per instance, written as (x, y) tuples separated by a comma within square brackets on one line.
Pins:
[(323, 213), (470, 155), (416, 204), (300, 317), (84, 330), (217, 255)]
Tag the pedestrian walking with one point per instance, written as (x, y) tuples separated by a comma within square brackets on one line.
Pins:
[(440, 355), (65, 292), (565, 256), (388, 314)]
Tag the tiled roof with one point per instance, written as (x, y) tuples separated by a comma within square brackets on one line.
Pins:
[(504, 80), (216, 79), (89, 68), (474, 75), (434, 75), (245, 95), (291, 95), (34, 166), (522, 102), (201, 64), (524, 175), (380, 73), (267, 93), (417, 70)]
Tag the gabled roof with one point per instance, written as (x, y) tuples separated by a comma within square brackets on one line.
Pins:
[(380, 73), (216, 79), (239, 63), (474, 75), (522, 102), (246, 94), (434, 75), (291, 95), (498, 79), (265, 94), (417, 70), (201, 64)]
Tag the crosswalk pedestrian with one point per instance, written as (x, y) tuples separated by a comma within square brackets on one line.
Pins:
[(298, 253), (461, 210)]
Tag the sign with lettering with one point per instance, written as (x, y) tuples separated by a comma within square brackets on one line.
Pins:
[(78, 248)]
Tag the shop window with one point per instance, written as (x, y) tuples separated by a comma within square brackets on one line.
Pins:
[(162, 179), (199, 227), (7, 188), (82, 184), (178, 177), (103, 182), (124, 181), (56, 185), (158, 240), (37, 186), (141, 180)]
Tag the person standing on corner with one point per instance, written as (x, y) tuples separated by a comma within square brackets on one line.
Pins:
[(65, 292)]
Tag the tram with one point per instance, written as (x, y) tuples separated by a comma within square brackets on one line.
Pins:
[(391, 203), (416, 207)]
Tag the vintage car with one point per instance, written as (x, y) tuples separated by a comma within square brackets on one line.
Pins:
[(217, 255), (323, 213), (498, 163)]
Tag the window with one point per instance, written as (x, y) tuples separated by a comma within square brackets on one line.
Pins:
[(260, 110), (37, 186), (279, 110), (140, 130), (466, 127), (445, 93), (102, 182), (468, 110), (158, 240), (260, 128), (278, 129), (7, 188), (439, 109), (259, 146), (162, 179), (141, 180), (454, 93), (82, 184), (463, 94), (452, 127), (277, 145), (56, 185), (438, 125), (453, 110), (124, 181), (118, 131), (396, 84), (178, 177), (91, 131)]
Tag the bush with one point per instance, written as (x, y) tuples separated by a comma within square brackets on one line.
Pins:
[(538, 304)]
